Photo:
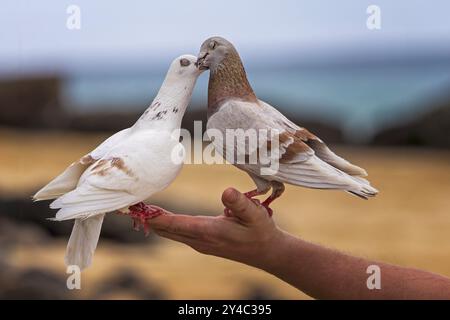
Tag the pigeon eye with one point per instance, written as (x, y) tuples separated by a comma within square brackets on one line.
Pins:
[(212, 45), (184, 62)]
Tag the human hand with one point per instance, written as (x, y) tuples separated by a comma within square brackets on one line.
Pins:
[(247, 235), (250, 236)]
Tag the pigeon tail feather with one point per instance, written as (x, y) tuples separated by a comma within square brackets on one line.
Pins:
[(83, 241), (365, 190)]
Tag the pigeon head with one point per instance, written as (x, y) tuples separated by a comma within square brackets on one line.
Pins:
[(185, 66), (227, 77), (213, 52)]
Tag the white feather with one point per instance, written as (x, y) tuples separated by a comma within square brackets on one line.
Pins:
[(83, 241), (63, 183)]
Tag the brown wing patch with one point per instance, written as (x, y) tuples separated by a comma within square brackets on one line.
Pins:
[(295, 143), (305, 135), (102, 167), (87, 159), (324, 153), (296, 147), (120, 164)]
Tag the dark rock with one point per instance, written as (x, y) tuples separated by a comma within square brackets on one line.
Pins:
[(32, 284), (259, 292), (12, 233), (29, 102), (430, 130), (128, 281), (26, 212), (101, 121)]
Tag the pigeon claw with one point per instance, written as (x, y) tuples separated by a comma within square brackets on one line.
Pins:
[(140, 214)]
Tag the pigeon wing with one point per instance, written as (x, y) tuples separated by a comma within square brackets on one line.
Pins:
[(105, 186), (68, 179), (304, 137), (306, 160), (129, 173), (109, 184), (303, 158)]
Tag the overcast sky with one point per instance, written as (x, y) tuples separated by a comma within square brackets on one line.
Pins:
[(33, 31)]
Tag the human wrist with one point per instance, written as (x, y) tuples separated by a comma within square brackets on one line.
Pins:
[(272, 252)]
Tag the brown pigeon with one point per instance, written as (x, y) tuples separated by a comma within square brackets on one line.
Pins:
[(303, 158)]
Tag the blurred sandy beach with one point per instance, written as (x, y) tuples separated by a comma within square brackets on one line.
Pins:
[(407, 224)]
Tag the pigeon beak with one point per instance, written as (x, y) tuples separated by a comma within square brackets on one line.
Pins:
[(200, 64)]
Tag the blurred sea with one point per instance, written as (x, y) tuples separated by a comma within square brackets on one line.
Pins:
[(361, 99)]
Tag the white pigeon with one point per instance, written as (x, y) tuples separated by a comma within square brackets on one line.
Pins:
[(126, 169), (304, 159)]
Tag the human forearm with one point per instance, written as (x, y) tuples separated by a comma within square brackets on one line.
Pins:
[(325, 273), (250, 236)]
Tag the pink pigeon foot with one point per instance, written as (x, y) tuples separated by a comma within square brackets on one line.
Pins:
[(266, 204), (140, 213)]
